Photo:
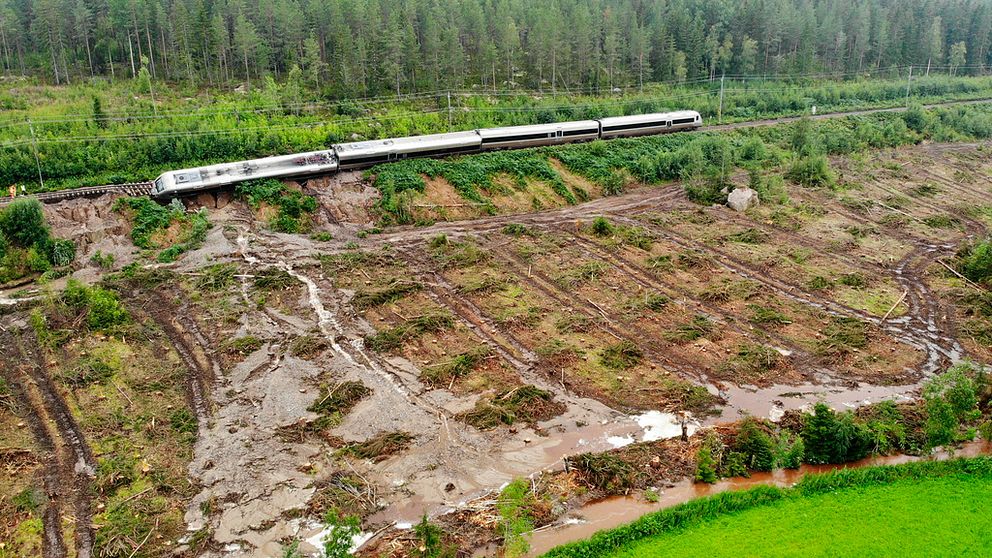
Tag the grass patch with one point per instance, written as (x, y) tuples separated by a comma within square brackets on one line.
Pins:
[(841, 336), (621, 356), (605, 471), (764, 315), (392, 338), (461, 365), (379, 447), (216, 277), (729, 289), (751, 360), (371, 298), (909, 509), (527, 403), (654, 302), (335, 401), (308, 346), (942, 221), (350, 261), (699, 327), (273, 279), (589, 271), (748, 236), (448, 254), (243, 345)]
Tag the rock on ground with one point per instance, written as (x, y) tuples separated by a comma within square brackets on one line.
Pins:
[(742, 199)]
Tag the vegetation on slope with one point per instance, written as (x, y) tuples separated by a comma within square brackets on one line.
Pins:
[(26, 245), (703, 161), (169, 230)]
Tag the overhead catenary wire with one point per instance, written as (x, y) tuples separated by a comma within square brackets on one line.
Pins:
[(113, 116), (375, 118)]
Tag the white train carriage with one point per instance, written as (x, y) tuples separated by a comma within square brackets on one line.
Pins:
[(648, 124), (513, 137), (213, 176), (368, 153)]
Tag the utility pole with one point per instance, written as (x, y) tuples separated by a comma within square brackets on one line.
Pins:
[(449, 111), (719, 112), (909, 81), (37, 160)]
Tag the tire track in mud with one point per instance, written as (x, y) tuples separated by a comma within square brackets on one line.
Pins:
[(902, 332), (660, 198), (76, 462), (972, 226), (798, 355), (545, 285), (202, 369), (52, 541), (474, 318)]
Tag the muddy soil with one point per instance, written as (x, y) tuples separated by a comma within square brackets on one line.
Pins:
[(547, 308)]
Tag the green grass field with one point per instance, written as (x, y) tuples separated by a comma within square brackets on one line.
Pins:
[(949, 516)]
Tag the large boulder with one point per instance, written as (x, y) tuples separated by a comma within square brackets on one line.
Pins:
[(742, 199)]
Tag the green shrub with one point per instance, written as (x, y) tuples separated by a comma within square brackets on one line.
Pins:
[(293, 206), (974, 261), (756, 445), (951, 399), (829, 437), (811, 171), (601, 226), (341, 532), (152, 223), (790, 450), (22, 223), (102, 309), (705, 466)]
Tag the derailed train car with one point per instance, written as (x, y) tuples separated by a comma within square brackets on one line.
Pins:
[(364, 154)]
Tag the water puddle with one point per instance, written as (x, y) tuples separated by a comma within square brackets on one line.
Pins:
[(772, 402), (618, 510)]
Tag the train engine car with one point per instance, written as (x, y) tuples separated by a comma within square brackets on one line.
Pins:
[(184, 181)]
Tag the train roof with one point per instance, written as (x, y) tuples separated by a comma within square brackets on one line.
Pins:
[(654, 117), (538, 128), (409, 143)]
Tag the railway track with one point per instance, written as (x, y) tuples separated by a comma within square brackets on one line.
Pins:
[(144, 188), (127, 189)]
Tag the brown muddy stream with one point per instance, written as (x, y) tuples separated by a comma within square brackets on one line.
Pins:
[(612, 512)]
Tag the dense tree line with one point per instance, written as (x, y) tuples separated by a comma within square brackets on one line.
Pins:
[(368, 47)]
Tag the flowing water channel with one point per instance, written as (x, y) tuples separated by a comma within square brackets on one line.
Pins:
[(612, 512)]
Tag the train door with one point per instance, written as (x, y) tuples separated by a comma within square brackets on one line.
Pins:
[(559, 135), (392, 157)]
